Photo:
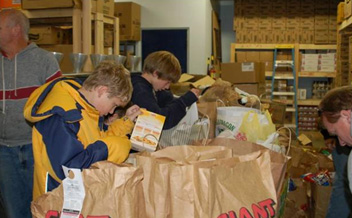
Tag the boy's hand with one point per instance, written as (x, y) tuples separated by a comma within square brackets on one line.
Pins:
[(196, 91), (132, 112)]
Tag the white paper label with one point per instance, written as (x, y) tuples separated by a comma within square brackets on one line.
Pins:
[(74, 193), (248, 67)]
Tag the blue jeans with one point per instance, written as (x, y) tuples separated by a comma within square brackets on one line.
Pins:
[(16, 180), (341, 198)]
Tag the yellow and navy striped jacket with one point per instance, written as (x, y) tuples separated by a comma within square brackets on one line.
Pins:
[(67, 130)]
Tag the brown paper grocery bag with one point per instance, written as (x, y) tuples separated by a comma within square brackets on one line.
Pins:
[(297, 200), (167, 183), (237, 189), (320, 199), (278, 161), (111, 190), (173, 185), (209, 109)]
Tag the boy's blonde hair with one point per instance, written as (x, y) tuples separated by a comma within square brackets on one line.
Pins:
[(165, 64), (114, 76)]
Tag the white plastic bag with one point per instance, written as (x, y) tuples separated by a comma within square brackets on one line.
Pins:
[(190, 128), (230, 118)]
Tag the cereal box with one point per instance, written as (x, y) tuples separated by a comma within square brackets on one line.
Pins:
[(147, 131)]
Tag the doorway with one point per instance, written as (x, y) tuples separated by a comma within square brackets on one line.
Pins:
[(172, 40)]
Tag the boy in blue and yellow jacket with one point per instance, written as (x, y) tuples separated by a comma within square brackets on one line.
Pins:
[(69, 124)]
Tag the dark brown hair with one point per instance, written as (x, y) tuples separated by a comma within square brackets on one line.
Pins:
[(165, 64)]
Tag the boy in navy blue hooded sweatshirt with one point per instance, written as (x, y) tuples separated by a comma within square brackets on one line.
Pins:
[(150, 90)]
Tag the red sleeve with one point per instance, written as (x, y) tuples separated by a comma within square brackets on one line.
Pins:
[(54, 76)]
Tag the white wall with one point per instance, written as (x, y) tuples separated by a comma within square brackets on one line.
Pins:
[(195, 15)]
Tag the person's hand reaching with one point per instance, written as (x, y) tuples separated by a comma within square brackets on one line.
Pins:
[(196, 91), (132, 112)]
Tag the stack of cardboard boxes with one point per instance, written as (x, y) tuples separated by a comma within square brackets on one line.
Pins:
[(129, 14), (286, 21)]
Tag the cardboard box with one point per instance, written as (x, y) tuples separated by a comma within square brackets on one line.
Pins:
[(46, 35), (129, 14), (269, 65), (306, 37), (278, 36), (180, 88), (65, 65), (248, 72), (103, 6), (43, 4), (108, 37), (187, 81), (332, 36), (254, 56), (98, 6), (252, 88), (266, 56), (321, 36), (240, 56), (10, 4)]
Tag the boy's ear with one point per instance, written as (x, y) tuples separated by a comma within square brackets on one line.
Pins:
[(101, 90), (155, 74)]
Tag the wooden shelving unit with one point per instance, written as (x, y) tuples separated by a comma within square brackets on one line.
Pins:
[(306, 102), (307, 74), (316, 47), (309, 102), (345, 25), (81, 31), (317, 74)]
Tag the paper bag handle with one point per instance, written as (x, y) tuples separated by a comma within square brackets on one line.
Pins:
[(289, 140), (221, 101), (207, 132)]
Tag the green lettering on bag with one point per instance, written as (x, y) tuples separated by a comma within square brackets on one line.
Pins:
[(228, 125)]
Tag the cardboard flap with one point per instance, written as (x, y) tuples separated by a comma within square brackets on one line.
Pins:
[(185, 77), (205, 81)]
